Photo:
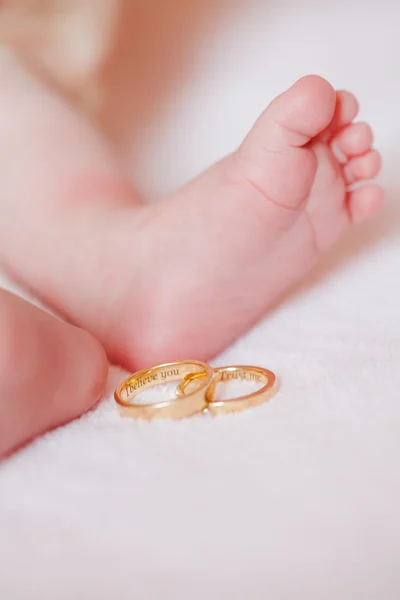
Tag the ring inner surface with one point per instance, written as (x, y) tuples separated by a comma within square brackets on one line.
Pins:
[(231, 374), (149, 378), (247, 374)]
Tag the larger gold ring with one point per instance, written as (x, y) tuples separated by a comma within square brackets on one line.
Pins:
[(177, 408)]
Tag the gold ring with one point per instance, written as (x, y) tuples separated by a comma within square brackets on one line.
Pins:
[(244, 373), (181, 406)]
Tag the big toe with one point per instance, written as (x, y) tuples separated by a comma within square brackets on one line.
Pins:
[(272, 156), (302, 112)]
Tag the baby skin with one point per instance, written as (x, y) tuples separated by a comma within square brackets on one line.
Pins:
[(184, 277)]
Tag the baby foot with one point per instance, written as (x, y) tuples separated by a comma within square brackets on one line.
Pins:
[(244, 232), (50, 372), (185, 277)]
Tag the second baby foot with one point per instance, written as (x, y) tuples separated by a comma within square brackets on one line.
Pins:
[(186, 276)]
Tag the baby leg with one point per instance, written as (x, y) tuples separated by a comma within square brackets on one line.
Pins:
[(184, 277)]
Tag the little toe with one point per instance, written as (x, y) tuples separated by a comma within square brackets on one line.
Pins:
[(346, 110), (354, 140), (362, 167), (364, 202)]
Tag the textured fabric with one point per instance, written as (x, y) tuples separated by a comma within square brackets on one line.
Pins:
[(299, 498)]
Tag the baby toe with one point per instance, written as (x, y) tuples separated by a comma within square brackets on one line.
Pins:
[(364, 202), (346, 110), (362, 167), (354, 140)]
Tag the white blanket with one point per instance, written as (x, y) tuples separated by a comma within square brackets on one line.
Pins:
[(297, 499)]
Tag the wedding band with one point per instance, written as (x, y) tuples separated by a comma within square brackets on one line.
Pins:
[(243, 373), (225, 374), (177, 408)]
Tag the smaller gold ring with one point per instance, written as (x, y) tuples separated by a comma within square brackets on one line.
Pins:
[(244, 373), (178, 408)]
